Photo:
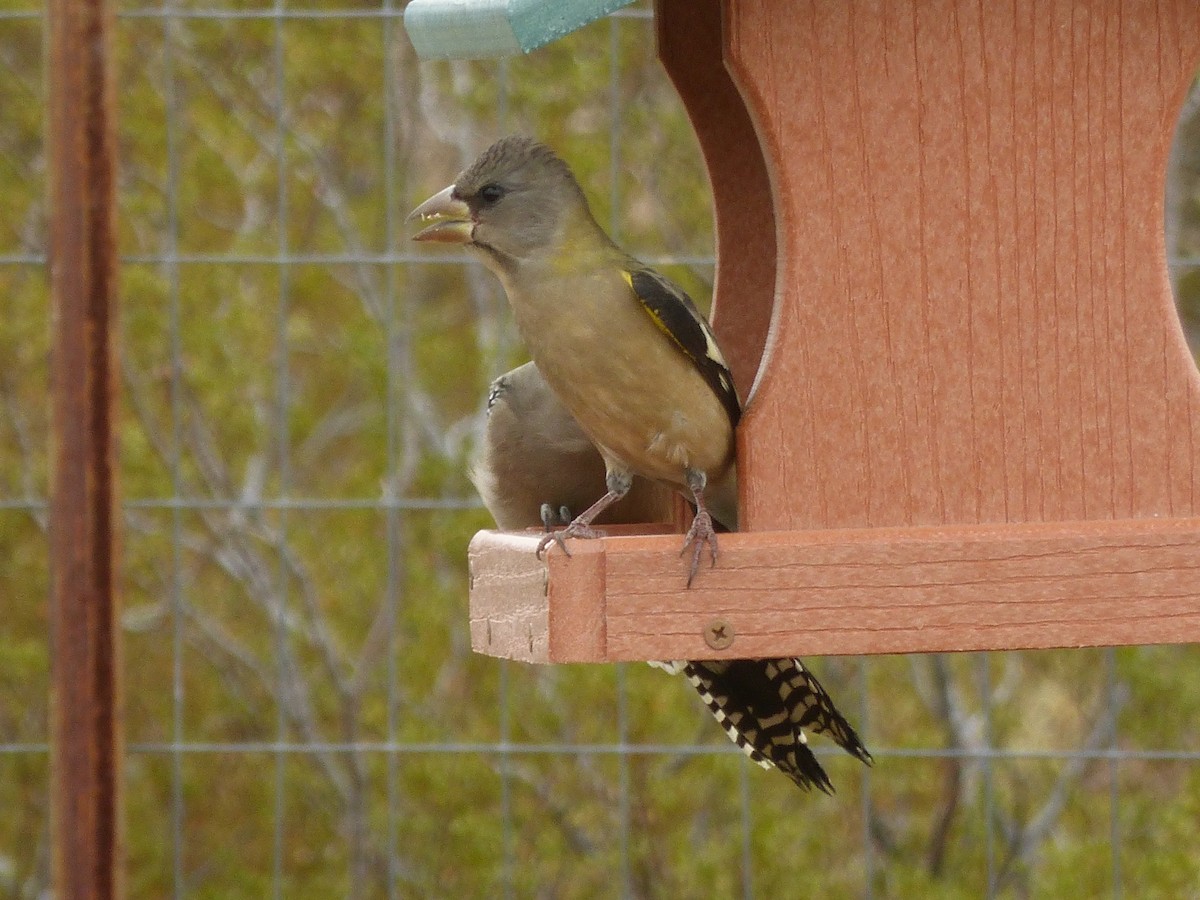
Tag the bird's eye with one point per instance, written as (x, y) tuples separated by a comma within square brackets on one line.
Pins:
[(490, 193)]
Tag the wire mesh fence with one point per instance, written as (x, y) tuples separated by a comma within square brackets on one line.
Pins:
[(301, 390)]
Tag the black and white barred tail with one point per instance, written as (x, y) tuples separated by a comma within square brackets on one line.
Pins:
[(764, 705)]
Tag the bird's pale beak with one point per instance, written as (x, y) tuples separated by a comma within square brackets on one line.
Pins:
[(450, 216)]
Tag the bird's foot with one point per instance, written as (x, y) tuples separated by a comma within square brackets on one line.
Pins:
[(701, 533), (551, 517), (576, 529)]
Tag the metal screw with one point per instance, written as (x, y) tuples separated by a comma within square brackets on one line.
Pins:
[(718, 634)]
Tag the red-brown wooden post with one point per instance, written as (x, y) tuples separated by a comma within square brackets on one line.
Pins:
[(976, 422), (86, 734)]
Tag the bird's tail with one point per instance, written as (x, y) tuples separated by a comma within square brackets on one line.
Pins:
[(764, 705), (821, 716)]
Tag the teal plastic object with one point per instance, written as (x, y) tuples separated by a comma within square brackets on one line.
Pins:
[(481, 29)]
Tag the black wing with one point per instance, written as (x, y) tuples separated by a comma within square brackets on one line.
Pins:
[(674, 312)]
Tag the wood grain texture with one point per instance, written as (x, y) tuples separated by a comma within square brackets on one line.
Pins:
[(509, 597), (854, 591), (541, 610), (974, 320), (86, 745)]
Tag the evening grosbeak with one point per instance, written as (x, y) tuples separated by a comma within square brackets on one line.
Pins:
[(536, 464), (534, 460), (624, 349)]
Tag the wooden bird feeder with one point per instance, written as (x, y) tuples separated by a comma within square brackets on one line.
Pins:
[(976, 423)]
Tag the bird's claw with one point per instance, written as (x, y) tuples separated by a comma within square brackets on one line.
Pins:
[(551, 517), (701, 533), (574, 530), (553, 537)]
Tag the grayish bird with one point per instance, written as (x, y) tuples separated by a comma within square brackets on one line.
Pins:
[(535, 461)]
